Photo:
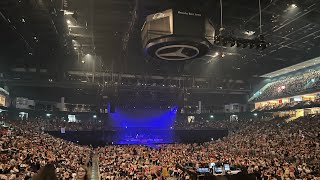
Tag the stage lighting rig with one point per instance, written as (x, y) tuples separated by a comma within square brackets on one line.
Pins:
[(258, 43), (224, 39)]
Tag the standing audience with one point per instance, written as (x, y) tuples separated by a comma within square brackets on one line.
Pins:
[(24, 151), (270, 149)]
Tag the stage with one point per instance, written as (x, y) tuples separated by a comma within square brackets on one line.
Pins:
[(141, 126), (143, 136)]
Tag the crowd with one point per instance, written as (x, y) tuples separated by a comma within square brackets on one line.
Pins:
[(209, 124), (139, 162), (182, 124), (289, 105), (271, 149), (55, 124), (291, 86), (25, 150), (43, 124)]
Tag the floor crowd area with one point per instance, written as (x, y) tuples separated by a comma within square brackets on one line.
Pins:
[(24, 151), (269, 149)]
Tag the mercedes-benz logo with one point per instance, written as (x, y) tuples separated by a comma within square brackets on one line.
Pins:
[(158, 16), (177, 52)]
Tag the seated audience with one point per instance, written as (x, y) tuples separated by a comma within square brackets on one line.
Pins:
[(291, 86)]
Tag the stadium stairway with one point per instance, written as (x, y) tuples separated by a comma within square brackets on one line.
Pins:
[(95, 168)]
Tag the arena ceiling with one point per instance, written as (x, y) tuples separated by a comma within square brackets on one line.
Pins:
[(37, 33)]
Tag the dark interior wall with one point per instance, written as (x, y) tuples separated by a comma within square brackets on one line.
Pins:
[(217, 99), (91, 96), (88, 96)]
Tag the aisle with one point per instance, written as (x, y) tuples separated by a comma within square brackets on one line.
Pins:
[(95, 168)]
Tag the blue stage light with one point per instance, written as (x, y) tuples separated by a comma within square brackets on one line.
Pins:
[(143, 118), (141, 126)]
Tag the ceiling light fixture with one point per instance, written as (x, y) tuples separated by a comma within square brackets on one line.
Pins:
[(294, 6), (68, 12), (249, 33)]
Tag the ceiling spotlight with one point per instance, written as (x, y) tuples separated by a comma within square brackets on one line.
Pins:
[(68, 12), (249, 33), (259, 46), (82, 61), (216, 54), (217, 40), (263, 45), (23, 20), (294, 6), (68, 22), (75, 48)]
